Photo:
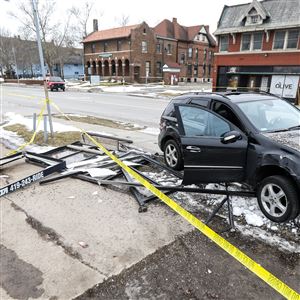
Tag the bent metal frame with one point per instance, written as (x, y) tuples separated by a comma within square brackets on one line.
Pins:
[(51, 165)]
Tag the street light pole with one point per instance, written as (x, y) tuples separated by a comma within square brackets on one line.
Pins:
[(37, 27)]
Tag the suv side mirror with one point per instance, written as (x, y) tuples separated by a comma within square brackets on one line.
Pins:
[(230, 137)]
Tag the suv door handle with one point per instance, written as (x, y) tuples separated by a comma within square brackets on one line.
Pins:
[(193, 149)]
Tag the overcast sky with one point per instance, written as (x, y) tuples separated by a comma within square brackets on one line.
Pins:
[(188, 13)]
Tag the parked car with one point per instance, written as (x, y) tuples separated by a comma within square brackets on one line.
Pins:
[(55, 83), (252, 138)]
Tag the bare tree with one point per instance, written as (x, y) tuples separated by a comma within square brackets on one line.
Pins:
[(6, 54), (123, 20), (54, 34), (83, 15)]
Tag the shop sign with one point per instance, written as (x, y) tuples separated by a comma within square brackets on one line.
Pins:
[(105, 55), (284, 86)]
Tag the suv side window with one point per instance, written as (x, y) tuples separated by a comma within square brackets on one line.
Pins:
[(200, 122), (227, 113), (200, 101)]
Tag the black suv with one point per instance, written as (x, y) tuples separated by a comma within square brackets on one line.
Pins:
[(252, 138)]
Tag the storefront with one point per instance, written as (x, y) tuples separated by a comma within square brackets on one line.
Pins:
[(279, 80)]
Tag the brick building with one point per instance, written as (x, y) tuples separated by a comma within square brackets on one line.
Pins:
[(139, 53), (192, 48), (258, 48)]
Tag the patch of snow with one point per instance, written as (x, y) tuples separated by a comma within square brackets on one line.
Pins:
[(14, 118), (254, 219), (151, 130)]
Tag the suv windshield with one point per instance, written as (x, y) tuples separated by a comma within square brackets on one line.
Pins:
[(271, 115), (56, 79)]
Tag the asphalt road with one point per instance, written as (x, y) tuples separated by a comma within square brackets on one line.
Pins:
[(119, 107)]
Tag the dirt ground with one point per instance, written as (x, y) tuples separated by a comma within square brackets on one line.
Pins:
[(193, 267)]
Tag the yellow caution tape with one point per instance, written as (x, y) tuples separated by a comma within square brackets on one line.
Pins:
[(40, 117), (245, 260)]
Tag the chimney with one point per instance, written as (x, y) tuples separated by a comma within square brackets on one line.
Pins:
[(174, 20), (95, 25)]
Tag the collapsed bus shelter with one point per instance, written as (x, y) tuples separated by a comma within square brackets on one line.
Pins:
[(86, 162)]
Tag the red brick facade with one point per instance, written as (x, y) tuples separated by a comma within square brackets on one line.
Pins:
[(242, 66), (138, 53)]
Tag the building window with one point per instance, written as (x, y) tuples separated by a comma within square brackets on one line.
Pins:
[(257, 40), (169, 49), (196, 55), (144, 47), (224, 43), (93, 48), (189, 69), (209, 70), (182, 58), (286, 39), (254, 19), (148, 68), (144, 31), (279, 40), (190, 52), (246, 40), (119, 45), (205, 54), (104, 47), (251, 41), (293, 36), (158, 67), (158, 48)]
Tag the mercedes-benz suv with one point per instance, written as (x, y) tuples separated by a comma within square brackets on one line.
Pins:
[(252, 138)]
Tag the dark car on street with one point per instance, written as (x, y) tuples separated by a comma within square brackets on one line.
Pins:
[(251, 138), (55, 83)]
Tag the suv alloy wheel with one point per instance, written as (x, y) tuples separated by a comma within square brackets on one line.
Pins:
[(277, 198), (172, 155)]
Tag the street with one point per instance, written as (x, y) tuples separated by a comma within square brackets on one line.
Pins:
[(120, 107)]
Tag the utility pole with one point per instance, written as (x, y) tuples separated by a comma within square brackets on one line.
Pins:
[(37, 27)]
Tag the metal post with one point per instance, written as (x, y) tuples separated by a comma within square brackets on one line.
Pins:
[(34, 122), (37, 27), (45, 129)]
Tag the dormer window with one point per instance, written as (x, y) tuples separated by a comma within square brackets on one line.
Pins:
[(254, 19)]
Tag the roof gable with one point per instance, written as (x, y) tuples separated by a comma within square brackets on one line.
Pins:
[(277, 14), (176, 31), (255, 6)]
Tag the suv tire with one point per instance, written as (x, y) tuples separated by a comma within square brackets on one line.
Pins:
[(173, 155), (278, 198)]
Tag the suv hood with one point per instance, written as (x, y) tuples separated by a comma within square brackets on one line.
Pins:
[(287, 138)]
